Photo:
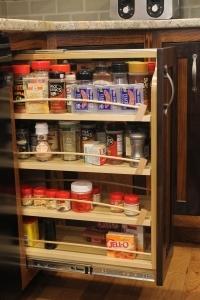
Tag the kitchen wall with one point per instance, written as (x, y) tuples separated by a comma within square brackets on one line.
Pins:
[(64, 10)]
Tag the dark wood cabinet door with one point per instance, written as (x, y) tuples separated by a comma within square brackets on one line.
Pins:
[(166, 158)]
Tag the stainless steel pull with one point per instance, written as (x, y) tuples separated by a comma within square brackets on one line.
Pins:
[(167, 105), (194, 73)]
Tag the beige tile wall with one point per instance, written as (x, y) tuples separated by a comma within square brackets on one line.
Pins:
[(62, 10)]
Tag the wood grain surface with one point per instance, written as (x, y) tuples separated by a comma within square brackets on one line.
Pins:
[(182, 283)]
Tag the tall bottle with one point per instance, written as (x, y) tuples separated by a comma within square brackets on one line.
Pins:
[(119, 73), (43, 148)]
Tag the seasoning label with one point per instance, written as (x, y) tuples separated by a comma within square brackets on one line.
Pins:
[(57, 90), (18, 94), (106, 94), (114, 144), (84, 94), (132, 95)]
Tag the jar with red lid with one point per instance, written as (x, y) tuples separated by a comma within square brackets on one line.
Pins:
[(63, 205), (116, 198), (27, 195), (51, 194), (19, 72), (57, 87), (131, 201), (39, 193), (81, 190)]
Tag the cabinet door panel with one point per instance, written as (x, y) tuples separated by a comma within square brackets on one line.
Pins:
[(166, 168)]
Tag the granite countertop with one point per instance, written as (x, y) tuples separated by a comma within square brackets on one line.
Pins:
[(29, 25)]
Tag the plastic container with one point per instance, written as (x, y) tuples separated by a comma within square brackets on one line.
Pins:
[(106, 93), (131, 201), (138, 73), (63, 205), (27, 195), (51, 203), (43, 148), (101, 74), (116, 198), (69, 139), (57, 87), (70, 81), (38, 194), (19, 72), (115, 144), (36, 87), (81, 190), (84, 90)]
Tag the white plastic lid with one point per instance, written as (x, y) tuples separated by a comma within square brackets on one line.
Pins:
[(81, 186), (41, 129)]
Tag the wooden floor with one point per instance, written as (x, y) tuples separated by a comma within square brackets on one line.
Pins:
[(182, 283)]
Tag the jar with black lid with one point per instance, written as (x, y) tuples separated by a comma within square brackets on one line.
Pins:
[(119, 72)]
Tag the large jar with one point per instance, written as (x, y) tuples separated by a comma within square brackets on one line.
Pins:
[(19, 72), (69, 139), (81, 190), (138, 73), (57, 88), (114, 141)]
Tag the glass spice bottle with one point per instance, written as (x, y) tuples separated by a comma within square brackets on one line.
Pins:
[(114, 141), (39, 193), (22, 141), (43, 147), (70, 81), (116, 198), (27, 195), (101, 74)]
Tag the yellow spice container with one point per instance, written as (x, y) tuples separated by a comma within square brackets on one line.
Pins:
[(31, 231)]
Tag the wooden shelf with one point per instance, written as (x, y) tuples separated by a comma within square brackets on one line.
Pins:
[(82, 254), (87, 54), (58, 164), (99, 214), (82, 117)]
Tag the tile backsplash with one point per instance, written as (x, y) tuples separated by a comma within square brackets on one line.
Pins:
[(64, 10)]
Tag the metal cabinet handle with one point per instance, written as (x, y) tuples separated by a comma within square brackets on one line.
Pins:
[(166, 75), (194, 73)]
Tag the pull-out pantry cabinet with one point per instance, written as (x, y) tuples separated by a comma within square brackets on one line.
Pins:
[(73, 254)]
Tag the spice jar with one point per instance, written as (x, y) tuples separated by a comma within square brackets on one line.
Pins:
[(43, 147), (131, 201), (70, 81), (81, 190), (51, 203), (101, 74), (53, 137), (63, 205), (137, 147), (138, 73), (38, 194), (57, 88), (19, 72), (96, 194), (69, 139), (114, 141), (36, 87), (26, 195), (84, 91), (31, 231), (116, 198), (119, 72), (88, 133), (22, 141)]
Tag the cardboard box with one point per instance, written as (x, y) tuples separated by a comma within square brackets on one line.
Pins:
[(120, 241)]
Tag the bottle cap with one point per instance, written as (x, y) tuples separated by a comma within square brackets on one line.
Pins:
[(42, 65), (51, 193), (137, 135), (61, 68), (119, 67), (41, 129), (26, 190), (63, 194), (21, 69), (81, 186), (116, 196), (138, 67), (151, 67), (131, 199), (39, 191), (84, 74)]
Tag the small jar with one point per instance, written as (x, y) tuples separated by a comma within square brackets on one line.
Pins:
[(26, 195), (19, 72), (57, 88), (120, 72), (53, 138), (81, 190), (137, 140), (51, 203), (63, 205), (22, 141), (43, 148), (69, 139), (116, 198), (131, 201), (101, 74), (114, 142), (88, 133), (38, 194), (70, 81), (96, 194)]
